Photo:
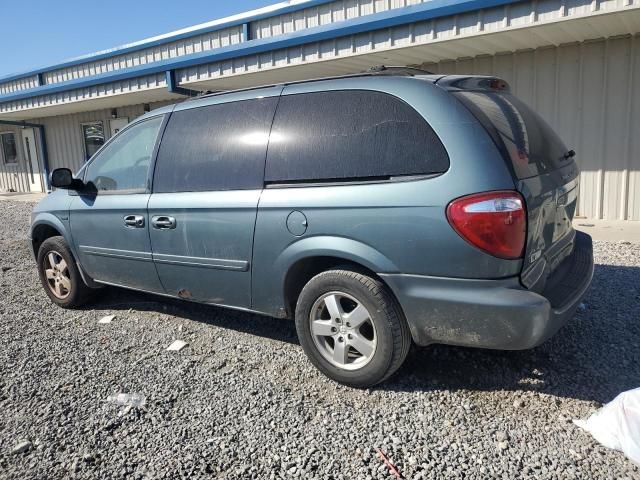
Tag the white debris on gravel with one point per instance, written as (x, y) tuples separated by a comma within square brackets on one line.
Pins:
[(617, 424), (128, 399), (263, 411), (177, 345), (107, 319), (21, 447)]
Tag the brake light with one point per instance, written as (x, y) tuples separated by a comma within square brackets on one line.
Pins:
[(495, 222)]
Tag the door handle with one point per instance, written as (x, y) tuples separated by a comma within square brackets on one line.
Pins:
[(163, 223), (134, 221)]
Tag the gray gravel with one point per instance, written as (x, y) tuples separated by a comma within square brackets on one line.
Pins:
[(241, 400)]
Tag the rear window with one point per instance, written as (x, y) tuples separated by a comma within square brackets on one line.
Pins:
[(341, 135), (527, 141)]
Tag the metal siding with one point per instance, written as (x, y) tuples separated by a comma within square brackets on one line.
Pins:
[(633, 140), (323, 15), (439, 30), (208, 41), (586, 92), (450, 26), (199, 43), (19, 84), (115, 88)]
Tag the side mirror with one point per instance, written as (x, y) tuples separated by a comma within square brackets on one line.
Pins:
[(62, 178)]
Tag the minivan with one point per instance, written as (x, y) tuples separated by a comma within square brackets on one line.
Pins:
[(377, 210)]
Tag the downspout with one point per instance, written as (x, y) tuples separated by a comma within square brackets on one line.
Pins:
[(173, 87), (43, 146), (45, 157)]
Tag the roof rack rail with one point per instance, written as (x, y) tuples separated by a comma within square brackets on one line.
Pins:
[(371, 71), (396, 70)]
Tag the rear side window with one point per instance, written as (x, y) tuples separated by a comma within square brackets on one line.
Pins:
[(341, 135), (218, 147), (527, 141)]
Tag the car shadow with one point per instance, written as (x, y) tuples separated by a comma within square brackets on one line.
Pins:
[(118, 299), (594, 357)]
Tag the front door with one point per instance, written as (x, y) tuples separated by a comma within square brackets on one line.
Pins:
[(31, 157), (109, 221), (207, 184)]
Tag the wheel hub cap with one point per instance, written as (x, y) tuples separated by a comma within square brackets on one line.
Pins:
[(343, 331), (56, 272)]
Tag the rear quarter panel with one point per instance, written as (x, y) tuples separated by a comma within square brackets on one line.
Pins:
[(389, 227)]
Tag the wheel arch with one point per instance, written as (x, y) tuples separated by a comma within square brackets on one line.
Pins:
[(309, 257), (47, 226)]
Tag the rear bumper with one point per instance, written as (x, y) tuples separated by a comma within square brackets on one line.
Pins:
[(497, 314)]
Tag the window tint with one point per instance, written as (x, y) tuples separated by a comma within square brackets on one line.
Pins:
[(9, 149), (528, 143), (93, 137), (218, 147), (350, 135), (123, 165)]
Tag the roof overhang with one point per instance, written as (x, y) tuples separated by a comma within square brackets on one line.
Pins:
[(96, 103), (510, 39)]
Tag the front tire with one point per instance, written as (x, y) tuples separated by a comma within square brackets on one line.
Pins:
[(351, 328), (59, 274)]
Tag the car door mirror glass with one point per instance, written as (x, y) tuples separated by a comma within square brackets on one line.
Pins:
[(62, 178)]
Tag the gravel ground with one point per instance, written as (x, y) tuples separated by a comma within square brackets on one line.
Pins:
[(241, 401)]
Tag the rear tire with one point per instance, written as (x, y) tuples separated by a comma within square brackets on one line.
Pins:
[(59, 274), (351, 328)]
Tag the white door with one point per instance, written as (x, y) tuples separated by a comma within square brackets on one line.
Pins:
[(117, 124), (31, 157)]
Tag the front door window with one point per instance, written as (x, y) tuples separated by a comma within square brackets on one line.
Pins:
[(123, 165)]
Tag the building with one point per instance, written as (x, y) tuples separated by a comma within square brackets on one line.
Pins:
[(577, 62)]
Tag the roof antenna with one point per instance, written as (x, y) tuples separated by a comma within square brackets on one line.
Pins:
[(401, 69)]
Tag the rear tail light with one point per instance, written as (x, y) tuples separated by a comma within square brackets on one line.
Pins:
[(495, 222)]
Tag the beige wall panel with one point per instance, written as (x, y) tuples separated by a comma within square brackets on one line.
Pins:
[(633, 144), (589, 93)]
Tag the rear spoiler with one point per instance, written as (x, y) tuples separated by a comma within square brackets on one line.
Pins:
[(473, 82)]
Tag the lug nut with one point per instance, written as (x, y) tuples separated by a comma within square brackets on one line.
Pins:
[(349, 336), (334, 329), (348, 324), (340, 339)]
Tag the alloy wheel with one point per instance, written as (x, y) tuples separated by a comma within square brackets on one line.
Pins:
[(56, 272), (343, 331)]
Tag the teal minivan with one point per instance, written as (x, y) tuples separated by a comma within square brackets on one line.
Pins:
[(376, 210)]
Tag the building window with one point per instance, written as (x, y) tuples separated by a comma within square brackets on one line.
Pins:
[(93, 137), (9, 149)]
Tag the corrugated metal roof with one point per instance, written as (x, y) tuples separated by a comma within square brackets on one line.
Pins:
[(218, 24), (418, 33), (384, 19)]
